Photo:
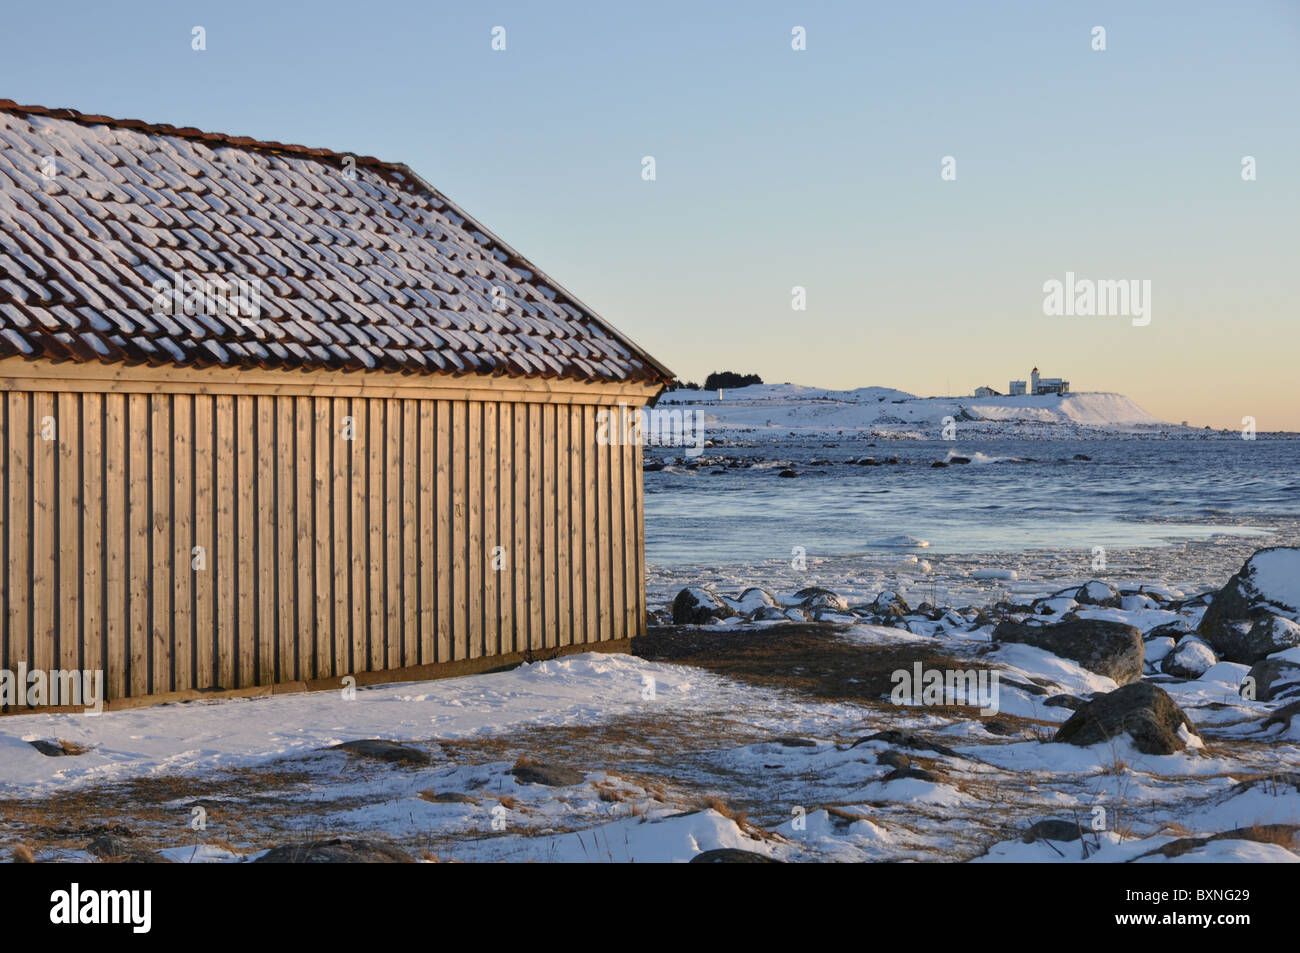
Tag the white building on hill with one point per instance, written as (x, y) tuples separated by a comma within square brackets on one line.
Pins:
[(1039, 385)]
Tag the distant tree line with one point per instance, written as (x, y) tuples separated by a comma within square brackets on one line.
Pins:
[(719, 379)]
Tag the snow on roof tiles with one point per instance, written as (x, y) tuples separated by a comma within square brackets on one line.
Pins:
[(372, 271)]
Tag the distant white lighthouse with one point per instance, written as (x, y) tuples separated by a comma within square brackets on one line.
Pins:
[(1039, 385)]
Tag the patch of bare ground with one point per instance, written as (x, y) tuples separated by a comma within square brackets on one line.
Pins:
[(157, 811), (811, 660)]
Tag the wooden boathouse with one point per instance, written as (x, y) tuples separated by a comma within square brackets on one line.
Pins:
[(271, 416)]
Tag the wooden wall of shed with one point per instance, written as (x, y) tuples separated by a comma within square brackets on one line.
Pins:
[(321, 556)]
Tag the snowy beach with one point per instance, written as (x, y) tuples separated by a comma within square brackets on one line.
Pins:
[(765, 712)]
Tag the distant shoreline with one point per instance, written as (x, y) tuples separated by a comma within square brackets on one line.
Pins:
[(889, 414)]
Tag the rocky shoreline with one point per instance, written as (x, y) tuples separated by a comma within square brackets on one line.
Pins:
[(1247, 634)]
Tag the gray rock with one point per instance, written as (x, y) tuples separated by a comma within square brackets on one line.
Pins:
[(793, 741), (1052, 828), (1108, 648), (815, 597), (1029, 687), (696, 605), (1072, 702), (995, 726), (1097, 593), (1169, 630), (731, 855), (336, 851), (381, 750), (1275, 679), (907, 739), (914, 773), (1255, 614), (549, 775), (1143, 711)]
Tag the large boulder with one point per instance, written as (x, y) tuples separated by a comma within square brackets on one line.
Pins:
[(384, 750), (1143, 711), (1108, 648), (696, 605), (731, 855), (1275, 679), (1257, 612)]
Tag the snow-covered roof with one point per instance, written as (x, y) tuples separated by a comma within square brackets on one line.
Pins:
[(358, 264)]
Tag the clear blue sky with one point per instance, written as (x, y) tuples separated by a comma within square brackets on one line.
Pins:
[(778, 168)]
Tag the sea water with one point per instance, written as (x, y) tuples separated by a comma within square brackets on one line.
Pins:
[(1184, 512)]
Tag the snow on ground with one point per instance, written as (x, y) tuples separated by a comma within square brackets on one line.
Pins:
[(808, 783), (660, 761), (795, 407), (197, 736)]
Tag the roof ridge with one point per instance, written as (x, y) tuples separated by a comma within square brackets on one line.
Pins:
[(192, 132)]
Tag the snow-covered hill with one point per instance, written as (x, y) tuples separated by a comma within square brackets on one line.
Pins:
[(885, 410)]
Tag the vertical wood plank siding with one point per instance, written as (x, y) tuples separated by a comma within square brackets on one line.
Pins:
[(198, 541)]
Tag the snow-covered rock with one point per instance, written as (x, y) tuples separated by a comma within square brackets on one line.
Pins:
[(1108, 648), (1097, 593), (696, 605), (1257, 612), (1191, 658)]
